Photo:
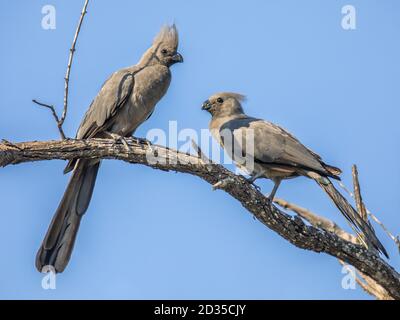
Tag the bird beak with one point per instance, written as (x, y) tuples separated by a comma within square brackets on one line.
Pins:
[(206, 105), (177, 58)]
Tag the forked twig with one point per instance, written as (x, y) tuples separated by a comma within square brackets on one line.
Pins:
[(60, 120), (54, 113)]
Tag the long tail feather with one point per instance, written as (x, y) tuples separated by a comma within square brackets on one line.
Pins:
[(59, 241), (363, 228)]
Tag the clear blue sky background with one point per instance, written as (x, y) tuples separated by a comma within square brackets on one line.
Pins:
[(151, 234)]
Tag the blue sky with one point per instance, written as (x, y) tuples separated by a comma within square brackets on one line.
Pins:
[(151, 234)]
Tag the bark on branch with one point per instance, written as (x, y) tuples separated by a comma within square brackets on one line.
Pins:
[(291, 228)]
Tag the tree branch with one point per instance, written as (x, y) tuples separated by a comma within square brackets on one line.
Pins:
[(70, 59), (292, 229)]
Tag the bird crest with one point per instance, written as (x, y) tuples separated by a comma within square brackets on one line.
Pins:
[(168, 35), (237, 96)]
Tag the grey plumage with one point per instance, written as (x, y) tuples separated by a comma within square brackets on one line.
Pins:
[(125, 101), (274, 153)]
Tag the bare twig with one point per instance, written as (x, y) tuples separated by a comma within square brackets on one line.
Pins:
[(53, 111), (391, 236), (221, 184), (292, 229), (358, 199), (200, 153), (60, 120), (202, 156), (70, 59), (357, 194)]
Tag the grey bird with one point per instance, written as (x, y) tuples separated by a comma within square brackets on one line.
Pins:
[(125, 101), (265, 150)]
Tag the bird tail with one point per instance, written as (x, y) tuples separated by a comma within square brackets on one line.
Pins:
[(334, 172), (59, 241), (363, 228)]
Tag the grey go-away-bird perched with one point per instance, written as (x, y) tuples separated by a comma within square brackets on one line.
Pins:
[(265, 150), (125, 101)]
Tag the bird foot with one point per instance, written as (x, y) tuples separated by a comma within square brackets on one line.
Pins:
[(270, 197), (149, 145), (270, 202), (251, 180), (222, 183), (143, 142), (139, 140), (118, 138)]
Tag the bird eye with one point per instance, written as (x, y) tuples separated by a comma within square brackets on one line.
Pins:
[(164, 51), (220, 100)]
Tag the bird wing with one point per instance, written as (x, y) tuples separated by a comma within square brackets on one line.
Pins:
[(273, 144), (112, 96)]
